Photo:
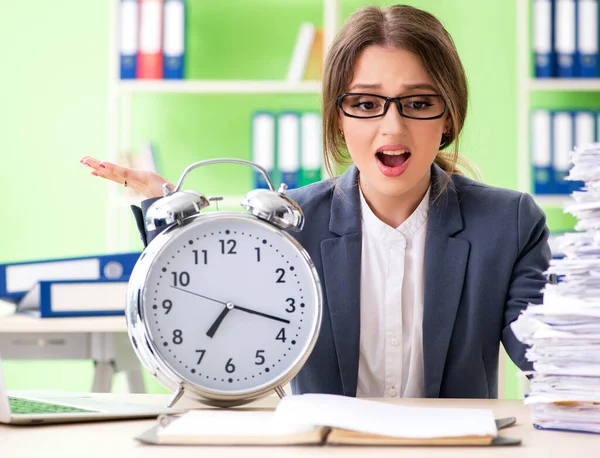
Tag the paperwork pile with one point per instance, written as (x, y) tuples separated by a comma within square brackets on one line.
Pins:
[(564, 331)]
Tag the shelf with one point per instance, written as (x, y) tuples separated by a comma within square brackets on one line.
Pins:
[(220, 87), (564, 84), (553, 200)]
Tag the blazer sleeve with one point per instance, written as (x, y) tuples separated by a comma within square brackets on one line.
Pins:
[(139, 213), (528, 277)]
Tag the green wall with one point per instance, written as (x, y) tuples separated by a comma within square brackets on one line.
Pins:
[(54, 110)]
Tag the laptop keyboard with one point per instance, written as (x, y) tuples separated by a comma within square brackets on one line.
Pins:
[(24, 406)]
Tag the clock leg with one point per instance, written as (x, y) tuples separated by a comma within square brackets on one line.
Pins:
[(280, 392), (176, 397)]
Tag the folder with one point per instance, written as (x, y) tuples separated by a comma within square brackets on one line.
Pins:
[(263, 145), (174, 39), (70, 298), (314, 64), (301, 53), (311, 148), (587, 38), (565, 38), (585, 134), (16, 279), (150, 56), (128, 38), (288, 148), (543, 38), (541, 151), (562, 145)]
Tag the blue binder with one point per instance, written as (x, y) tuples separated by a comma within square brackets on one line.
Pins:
[(128, 38), (288, 148), (565, 38), (541, 152), (174, 39), (543, 38), (563, 140), (16, 279), (71, 298), (263, 146), (584, 134), (587, 38)]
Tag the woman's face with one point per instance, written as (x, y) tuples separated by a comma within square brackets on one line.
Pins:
[(393, 153)]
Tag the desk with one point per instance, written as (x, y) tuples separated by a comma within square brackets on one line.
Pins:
[(101, 339), (115, 439)]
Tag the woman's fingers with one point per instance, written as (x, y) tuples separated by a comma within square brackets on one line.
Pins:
[(148, 184)]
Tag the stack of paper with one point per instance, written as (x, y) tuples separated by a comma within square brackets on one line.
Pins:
[(564, 331)]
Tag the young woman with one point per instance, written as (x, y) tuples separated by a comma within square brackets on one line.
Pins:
[(423, 269)]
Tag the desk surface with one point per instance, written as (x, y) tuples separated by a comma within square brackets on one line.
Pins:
[(16, 323), (115, 439)]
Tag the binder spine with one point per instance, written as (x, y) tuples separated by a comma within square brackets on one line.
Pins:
[(128, 38), (541, 146), (150, 58), (174, 39), (587, 38), (310, 148), (585, 134), (565, 38), (543, 38), (288, 148), (563, 139), (263, 146)]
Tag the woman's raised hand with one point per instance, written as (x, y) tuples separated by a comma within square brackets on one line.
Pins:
[(148, 184)]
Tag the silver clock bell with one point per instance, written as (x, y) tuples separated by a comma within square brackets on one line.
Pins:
[(267, 204)]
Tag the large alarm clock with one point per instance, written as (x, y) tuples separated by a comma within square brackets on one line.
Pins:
[(224, 306)]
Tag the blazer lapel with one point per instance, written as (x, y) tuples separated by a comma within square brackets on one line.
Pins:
[(341, 256), (445, 266)]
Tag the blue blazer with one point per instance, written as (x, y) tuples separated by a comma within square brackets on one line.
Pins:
[(485, 257)]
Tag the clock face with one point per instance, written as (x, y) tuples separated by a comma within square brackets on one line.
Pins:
[(231, 303)]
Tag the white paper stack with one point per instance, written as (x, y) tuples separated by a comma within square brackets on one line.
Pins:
[(564, 331)]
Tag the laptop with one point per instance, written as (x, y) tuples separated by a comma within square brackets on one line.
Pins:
[(41, 407)]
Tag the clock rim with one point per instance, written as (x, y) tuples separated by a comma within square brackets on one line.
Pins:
[(141, 337)]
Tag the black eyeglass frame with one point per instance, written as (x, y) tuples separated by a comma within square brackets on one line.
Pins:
[(389, 100)]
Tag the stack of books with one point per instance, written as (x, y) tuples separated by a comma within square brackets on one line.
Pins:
[(85, 286), (564, 331)]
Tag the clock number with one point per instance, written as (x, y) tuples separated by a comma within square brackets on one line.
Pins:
[(229, 367), (260, 359), (177, 337), (257, 254), (281, 273), (232, 244), (182, 279), (201, 355), (281, 335), (204, 255), (167, 304), (292, 303)]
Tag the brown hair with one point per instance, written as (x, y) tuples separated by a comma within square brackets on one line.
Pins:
[(407, 28)]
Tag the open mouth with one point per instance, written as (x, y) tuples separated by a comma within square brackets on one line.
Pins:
[(393, 158)]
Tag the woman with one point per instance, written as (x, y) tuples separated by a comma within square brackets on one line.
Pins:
[(423, 268)]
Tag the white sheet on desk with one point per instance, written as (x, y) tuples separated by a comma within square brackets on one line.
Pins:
[(392, 420)]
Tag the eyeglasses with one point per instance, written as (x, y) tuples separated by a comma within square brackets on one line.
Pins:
[(418, 106)]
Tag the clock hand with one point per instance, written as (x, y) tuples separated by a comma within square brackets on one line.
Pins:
[(255, 312), (243, 309), (199, 295), (211, 332)]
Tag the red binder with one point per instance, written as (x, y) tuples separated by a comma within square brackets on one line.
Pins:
[(150, 55)]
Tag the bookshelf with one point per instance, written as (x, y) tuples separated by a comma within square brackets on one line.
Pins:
[(526, 86), (218, 87), (120, 111)]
